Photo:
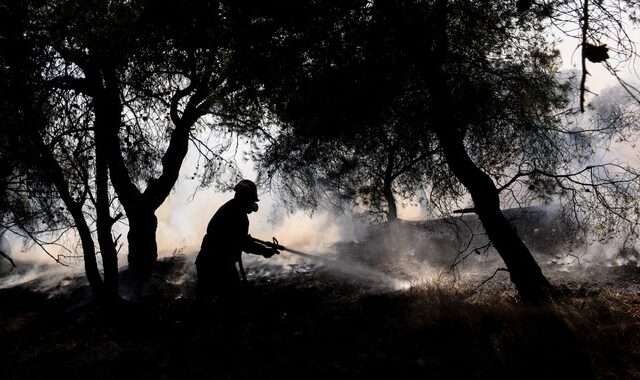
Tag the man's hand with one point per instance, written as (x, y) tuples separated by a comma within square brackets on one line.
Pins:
[(268, 252)]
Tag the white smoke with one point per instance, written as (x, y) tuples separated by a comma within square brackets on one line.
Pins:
[(416, 254), (33, 267)]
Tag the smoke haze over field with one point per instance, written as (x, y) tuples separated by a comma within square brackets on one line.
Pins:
[(389, 256), (420, 255)]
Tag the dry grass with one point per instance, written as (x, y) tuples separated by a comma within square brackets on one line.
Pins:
[(316, 326)]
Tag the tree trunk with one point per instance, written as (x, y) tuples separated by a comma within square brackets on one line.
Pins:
[(142, 222), (143, 249), (525, 273), (392, 208), (75, 209), (140, 206), (89, 251), (104, 221)]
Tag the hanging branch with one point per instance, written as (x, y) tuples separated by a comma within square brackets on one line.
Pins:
[(489, 279), (42, 244), (13, 265), (585, 29)]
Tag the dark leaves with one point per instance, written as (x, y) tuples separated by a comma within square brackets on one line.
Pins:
[(523, 5)]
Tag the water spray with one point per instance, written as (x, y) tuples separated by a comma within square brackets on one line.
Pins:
[(348, 268), (275, 244)]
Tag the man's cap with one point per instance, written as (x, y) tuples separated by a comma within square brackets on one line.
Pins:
[(247, 187)]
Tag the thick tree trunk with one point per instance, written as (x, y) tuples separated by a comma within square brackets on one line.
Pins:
[(143, 249), (525, 273), (392, 207)]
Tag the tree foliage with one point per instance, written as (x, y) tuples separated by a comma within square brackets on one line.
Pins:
[(124, 88), (472, 85)]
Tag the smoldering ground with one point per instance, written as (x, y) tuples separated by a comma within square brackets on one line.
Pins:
[(386, 257)]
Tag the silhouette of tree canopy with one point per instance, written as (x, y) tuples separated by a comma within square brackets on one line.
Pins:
[(125, 87), (29, 203)]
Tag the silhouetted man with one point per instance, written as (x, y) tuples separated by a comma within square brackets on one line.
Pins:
[(227, 237)]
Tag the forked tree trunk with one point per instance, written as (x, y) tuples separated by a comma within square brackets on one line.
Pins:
[(142, 221), (140, 206)]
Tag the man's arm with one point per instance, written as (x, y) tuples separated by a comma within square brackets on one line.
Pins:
[(251, 246)]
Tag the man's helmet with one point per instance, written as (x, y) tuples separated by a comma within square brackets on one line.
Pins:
[(248, 189)]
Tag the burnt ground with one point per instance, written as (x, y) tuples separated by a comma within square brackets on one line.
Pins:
[(312, 324)]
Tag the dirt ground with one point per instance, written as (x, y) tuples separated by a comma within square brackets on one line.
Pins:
[(314, 325)]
